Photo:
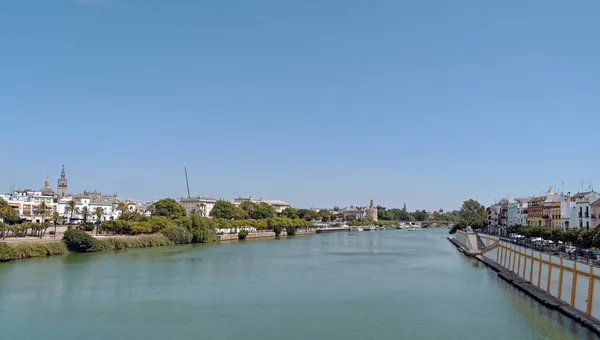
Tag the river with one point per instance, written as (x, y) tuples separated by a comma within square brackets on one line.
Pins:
[(367, 285)]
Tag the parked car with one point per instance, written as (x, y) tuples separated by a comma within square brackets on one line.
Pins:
[(570, 250)]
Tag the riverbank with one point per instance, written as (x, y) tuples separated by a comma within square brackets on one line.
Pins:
[(263, 234), (534, 292), (23, 248), (31, 249)]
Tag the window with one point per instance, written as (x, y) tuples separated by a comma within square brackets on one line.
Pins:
[(587, 225)]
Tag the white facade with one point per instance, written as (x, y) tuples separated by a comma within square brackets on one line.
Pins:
[(522, 211), (567, 209), (200, 205), (26, 204), (513, 213), (580, 216)]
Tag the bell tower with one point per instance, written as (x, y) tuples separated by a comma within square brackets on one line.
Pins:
[(62, 183)]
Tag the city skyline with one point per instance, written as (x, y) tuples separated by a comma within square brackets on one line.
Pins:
[(584, 186), (317, 104)]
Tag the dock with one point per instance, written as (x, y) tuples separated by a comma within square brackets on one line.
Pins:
[(332, 230)]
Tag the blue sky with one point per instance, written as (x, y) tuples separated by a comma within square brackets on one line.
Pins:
[(317, 103)]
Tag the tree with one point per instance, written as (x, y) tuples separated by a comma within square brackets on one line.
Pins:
[(223, 209), (42, 210), (7, 213), (99, 212), (472, 214), (168, 207), (420, 215), (85, 213), (325, 215), (200, 228), (249, 208), (264, 210), (308, 214), (122, 207), (55, 218), (70, 209), (290, 212)]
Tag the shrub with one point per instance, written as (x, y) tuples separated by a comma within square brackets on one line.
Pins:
[(22, 251), (243, 234), (80, 241), (277, 229), (51, 232), (291, 231), (177, 234), (87, 226)]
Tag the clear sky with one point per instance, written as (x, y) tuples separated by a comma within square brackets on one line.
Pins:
[(317, 103)]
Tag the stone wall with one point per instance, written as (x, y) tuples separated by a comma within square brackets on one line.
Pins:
[(264, 234)]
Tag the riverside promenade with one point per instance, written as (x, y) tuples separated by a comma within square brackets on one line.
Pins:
[(263, 234), (557, 283)]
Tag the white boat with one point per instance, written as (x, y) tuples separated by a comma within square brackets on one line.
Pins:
[(359, 229), (371, 228)]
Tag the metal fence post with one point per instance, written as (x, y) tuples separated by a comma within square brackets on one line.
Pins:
[(560, 279), (590, 296), (574, 284)]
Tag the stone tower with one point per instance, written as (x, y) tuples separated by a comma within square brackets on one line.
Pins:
[(62, 183), (372, 211)]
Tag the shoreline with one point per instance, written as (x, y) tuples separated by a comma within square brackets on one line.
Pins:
[(536, 293), (15, 249)]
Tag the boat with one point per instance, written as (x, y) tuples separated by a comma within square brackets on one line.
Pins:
[(359, 229), (371, 228)]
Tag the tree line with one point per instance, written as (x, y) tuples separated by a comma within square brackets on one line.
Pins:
[(581, 238)]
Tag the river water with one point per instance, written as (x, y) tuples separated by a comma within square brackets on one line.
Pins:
[(367, 285)]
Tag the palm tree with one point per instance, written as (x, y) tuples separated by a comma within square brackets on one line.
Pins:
[(42, 210), (55, 218), (122, 207), (99, 213), (85, 212), (71, 208)]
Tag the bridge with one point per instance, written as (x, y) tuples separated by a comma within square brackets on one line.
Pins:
[(447, 224)]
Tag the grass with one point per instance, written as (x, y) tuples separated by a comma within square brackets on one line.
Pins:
[(141, 241), (23, 251)]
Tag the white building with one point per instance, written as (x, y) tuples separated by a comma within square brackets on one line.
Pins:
[(200, 205), (522, 210), (580, 216)]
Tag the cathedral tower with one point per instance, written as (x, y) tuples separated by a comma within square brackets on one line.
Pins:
[(62, 183)]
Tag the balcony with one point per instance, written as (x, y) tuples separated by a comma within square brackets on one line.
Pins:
[(579, 215)]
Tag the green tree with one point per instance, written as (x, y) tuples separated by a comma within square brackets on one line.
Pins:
[(325, 215), (55, 219), (85, 213), (71, 208), (168, 207), (420, 215), (200, 228), (264, 210), (122, 207), (239, 214), (249, 208), (290, 213), (308, 214), (42, 210), (99, 212), (7, 213), (472, 214), (223, 209)]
